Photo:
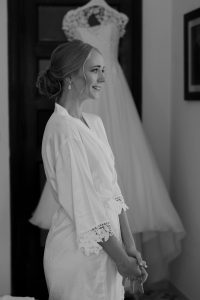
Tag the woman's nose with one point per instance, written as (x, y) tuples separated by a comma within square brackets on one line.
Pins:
[(101, 77)]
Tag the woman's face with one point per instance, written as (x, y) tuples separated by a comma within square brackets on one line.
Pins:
[(88, 82)]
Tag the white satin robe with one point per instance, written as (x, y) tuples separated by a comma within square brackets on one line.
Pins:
[(79, 167)]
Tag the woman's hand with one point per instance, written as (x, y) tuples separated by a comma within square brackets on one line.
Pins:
[(131, 269), (133, 252), (144, 274), (136, 286)]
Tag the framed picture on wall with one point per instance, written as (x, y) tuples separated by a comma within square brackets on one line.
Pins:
[(192, 55)]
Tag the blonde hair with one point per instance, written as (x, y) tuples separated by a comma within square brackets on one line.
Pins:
[(66, 59)]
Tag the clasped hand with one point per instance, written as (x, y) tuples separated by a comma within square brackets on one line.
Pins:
[(134, 268), (131, 269), (137, 282)]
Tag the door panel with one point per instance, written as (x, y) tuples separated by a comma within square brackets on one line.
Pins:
[(34, 31)]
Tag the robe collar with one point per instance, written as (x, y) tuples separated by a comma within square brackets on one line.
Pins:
[(91, 131)]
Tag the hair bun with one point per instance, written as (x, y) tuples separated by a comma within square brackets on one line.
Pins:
[(48, 85)]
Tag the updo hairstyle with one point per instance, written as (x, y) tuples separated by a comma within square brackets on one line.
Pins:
[(66, 59)]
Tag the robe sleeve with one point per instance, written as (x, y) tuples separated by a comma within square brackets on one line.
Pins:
[(118, 197), (77, 195), (46, 208)]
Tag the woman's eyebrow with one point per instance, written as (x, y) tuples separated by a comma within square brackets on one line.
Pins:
[(98, 66)]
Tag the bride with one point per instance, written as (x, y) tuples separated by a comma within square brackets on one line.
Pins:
[(152, 216)]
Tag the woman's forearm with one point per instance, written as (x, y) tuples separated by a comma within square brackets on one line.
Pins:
[(115, 250), (128, 239), (126, 233), (127, 266)]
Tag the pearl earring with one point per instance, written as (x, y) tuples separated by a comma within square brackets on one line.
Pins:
[(70, 84)]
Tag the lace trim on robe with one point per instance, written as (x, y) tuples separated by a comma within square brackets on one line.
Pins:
[(80, 18), (88, 242)]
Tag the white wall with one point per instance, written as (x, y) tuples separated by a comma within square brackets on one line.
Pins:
[(185, 161), (4, 157), (157, 63), (173, 127)]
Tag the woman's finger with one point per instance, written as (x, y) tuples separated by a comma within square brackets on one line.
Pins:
[(144, 275)]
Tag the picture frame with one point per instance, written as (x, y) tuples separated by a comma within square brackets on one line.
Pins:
[(192, 55)]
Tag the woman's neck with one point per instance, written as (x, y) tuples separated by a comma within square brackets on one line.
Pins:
[(72, 105)]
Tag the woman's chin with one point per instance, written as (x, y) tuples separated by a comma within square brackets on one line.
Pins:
[(95, 96)]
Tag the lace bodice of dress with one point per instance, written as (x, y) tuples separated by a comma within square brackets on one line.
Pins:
[(110, 26)]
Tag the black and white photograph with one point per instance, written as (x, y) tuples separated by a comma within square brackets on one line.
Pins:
[(99, 149)]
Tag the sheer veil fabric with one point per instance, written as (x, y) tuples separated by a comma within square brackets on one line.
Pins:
[(152, 216)]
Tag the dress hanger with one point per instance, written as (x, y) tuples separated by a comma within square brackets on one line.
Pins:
[(101, 3), (91, 3), (96, 3)]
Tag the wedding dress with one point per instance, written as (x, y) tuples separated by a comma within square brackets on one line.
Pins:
[(151, 213)]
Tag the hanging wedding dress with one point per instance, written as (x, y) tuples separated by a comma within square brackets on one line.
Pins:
[(151, 213)]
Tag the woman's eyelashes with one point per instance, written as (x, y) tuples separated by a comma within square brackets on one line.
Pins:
[(96, 70)]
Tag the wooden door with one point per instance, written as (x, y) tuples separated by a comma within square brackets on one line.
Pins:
[(34, 31)]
